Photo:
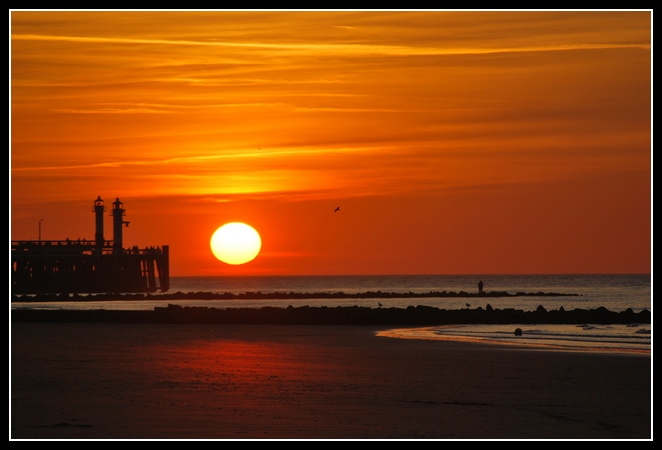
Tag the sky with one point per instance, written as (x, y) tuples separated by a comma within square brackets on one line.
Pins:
[(454, 142)]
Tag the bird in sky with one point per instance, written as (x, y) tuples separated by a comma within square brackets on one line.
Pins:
[(337, 209)]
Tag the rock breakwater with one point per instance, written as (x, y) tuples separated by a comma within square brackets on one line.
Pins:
[(342, 315)]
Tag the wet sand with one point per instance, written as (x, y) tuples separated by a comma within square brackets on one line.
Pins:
[(133, 381)]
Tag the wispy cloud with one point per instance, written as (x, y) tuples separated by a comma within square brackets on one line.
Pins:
[(205, 158), (158, 108), (340, 48), (112, 111)]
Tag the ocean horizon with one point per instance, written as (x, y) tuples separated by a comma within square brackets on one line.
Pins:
[(616, 292)]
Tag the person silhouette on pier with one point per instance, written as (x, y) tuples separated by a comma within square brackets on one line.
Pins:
[(480, 287)]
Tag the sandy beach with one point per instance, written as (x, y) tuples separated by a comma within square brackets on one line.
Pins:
[(142, 381)]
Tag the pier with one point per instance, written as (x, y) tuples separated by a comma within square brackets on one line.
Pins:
[(89, 266)]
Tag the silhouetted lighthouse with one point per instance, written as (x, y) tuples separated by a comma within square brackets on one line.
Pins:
[(117, 213), (98, 210)]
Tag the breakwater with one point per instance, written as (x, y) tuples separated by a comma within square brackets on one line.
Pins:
[(341, 315), (40, 298)]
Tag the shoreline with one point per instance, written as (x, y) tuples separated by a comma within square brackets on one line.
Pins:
[(529, 342), (160, 381)]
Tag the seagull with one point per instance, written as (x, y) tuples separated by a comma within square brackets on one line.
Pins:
[(379, 304), (337, 209)]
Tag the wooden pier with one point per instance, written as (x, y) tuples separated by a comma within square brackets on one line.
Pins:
[(89, 266), (80, 266)]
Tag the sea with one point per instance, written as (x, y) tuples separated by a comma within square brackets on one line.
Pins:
[(612, 291)]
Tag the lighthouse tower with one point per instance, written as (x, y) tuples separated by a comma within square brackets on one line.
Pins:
[(118, 213), (98, 209)]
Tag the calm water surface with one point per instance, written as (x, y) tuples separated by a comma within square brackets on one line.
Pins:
[(614, 292)]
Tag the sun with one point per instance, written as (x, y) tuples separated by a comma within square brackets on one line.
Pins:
[(235, 243)]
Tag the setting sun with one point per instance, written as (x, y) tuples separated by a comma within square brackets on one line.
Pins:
[(236, 243)]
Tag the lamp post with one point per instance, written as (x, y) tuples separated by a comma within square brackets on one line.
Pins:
[(40, 229)]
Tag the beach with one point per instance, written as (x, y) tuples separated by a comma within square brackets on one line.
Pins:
[(212, 381)]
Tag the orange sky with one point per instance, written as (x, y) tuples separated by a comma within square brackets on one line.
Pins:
[(453, 142)]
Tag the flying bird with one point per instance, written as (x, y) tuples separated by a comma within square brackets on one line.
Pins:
[(337, 209)]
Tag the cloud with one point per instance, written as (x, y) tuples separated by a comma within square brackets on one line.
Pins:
[(205, 158), (154, 108), (336, 49)]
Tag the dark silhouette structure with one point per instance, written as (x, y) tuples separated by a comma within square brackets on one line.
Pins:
[(342, 315), (89, 266), (480, 287)]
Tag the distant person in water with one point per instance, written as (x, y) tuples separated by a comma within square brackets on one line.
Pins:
[(480, 287)]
